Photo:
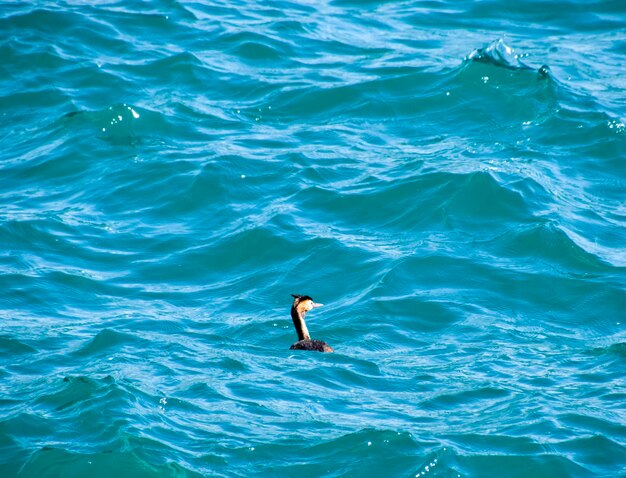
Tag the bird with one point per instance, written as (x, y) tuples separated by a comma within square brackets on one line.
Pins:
[(301, 305)]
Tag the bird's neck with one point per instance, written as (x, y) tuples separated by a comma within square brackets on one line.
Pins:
[(300, 325)]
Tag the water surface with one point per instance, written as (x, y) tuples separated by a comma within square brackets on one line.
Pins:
[(447, 177)]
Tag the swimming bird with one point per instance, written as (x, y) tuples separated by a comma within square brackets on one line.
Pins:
[(301, 305)]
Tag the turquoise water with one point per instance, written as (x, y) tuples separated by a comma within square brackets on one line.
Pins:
[(448, 177)]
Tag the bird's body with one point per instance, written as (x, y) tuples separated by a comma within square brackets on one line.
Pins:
[(301, 305), (314, 345)]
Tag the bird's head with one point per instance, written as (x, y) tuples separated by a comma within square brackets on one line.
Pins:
[(303, 303)]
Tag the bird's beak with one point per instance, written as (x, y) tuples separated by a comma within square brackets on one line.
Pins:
[(316, 305)]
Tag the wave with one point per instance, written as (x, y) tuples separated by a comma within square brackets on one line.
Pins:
[(498, 53), (11, 345), (617, 350), (120, 124), (547, 242), (435, 200), (53, 461)]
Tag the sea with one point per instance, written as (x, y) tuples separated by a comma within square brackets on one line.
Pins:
[(448, 177)]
